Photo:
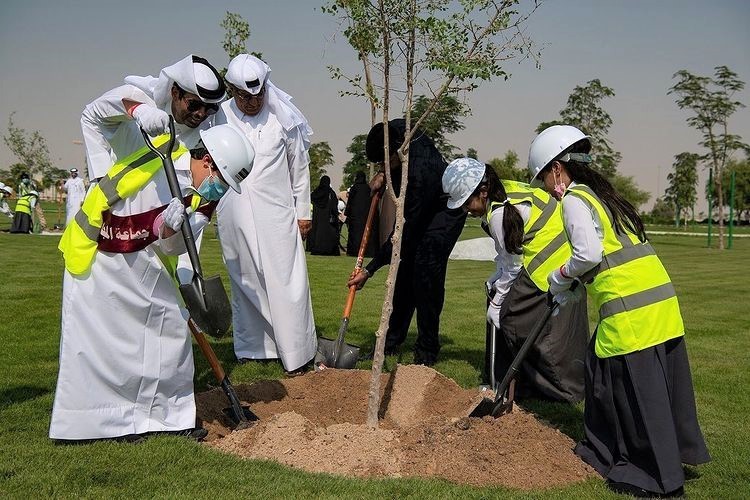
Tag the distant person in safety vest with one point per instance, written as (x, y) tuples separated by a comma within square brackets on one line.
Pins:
[(640, 422), (126, 359), (23, 222)]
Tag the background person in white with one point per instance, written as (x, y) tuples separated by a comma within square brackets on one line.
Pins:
[(76, 191), (261, 230), (107, 122)]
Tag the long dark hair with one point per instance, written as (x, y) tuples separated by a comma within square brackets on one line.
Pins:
[(512, 220), (624, 214)]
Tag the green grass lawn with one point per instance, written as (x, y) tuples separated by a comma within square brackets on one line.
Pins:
[(713, 290)]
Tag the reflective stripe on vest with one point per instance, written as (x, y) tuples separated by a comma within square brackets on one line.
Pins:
[(545, 245), (23, 204), (632, 291), (128, 176)]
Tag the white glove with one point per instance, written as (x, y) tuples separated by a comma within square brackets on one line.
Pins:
[(558, 283), (560, 288), (152, 120), (174, 214), (568, 296), (493, 314)]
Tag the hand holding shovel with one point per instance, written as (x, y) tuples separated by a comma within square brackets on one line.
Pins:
[(336, 353), (205, 299)]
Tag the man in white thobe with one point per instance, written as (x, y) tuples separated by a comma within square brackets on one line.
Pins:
[(76, 191), (261, 230), (126, 360), (108, 134)]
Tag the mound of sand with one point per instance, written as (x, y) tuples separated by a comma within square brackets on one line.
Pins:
[(317, 423)]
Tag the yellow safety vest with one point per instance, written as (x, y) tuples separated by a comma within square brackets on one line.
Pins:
[(545, 244), (126, 177), (632, 291), (23, 204)]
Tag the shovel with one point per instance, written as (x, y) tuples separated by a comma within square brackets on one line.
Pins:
[(205, 299), (240, 415), (502, 403), (336, 353)]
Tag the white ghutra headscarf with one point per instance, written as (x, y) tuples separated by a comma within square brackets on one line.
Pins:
[(249, 73), (192, 74)]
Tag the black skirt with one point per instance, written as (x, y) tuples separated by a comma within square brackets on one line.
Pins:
[(640, 422), (22, 223), (554, 365)]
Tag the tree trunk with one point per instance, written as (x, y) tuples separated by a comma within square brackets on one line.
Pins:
[(373, 398)]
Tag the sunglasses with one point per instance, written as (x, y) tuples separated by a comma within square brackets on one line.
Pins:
[(194, 105), (243, 95)]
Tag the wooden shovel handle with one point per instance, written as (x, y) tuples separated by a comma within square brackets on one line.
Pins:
[(207, 350), (362, 249)]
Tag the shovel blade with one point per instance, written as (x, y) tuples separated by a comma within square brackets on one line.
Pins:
[(483, 409), (496, 407), (239, 422), (347, 358), (208, 304)]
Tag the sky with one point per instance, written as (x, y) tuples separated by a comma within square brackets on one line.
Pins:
[(57, 56)]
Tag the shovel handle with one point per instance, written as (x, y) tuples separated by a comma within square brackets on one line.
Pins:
[(174, 189), (207, 351), (362, 249), (510, 375)]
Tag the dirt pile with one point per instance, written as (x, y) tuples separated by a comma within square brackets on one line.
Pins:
[(317, 423)]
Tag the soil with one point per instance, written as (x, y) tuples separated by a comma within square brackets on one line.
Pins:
[(317, 422)]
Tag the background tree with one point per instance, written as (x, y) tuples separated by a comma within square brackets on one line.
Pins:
[(442, 46), (627, 187), (710, 100), (507, 167), (321, 157), (236, 33), (741, 169), (445, 118), (584, 110), (31, 149), (682, 192), (663, 212), (357, 162), (11, 175), (472, 153)]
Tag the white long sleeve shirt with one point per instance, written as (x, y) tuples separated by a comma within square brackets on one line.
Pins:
[(507, 265), (585, 233)]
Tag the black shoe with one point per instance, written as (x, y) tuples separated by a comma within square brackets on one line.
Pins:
[(635, 491), (424, 358), (196, 434), (627, 489), (131, 438)]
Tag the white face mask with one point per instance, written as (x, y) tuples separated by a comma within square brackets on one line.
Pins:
[(559, 186)]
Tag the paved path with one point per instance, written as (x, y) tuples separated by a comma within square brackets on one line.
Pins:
[(484, 248)]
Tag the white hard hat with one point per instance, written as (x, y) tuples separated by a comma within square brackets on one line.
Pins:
[(460, 179), (231, 152), (549, 144), (341, 205)]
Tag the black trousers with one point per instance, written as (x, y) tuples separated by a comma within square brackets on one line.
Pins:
[(420, 286)]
